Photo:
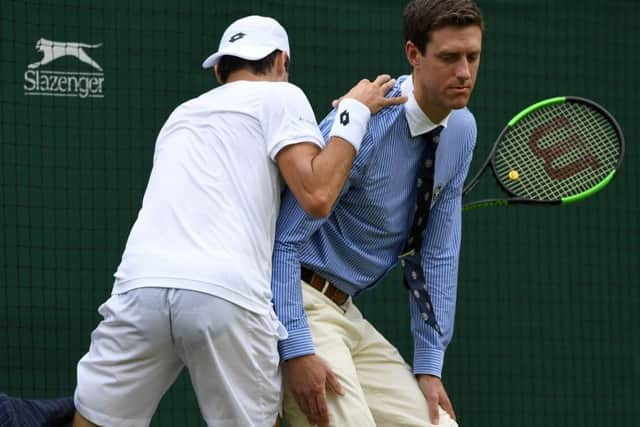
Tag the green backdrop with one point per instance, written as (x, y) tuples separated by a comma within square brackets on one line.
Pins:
[(547, 330)]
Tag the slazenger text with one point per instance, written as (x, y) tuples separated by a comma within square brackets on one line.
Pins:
[(58, 83)]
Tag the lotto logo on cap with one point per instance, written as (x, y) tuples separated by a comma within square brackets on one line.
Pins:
[(251, 38)]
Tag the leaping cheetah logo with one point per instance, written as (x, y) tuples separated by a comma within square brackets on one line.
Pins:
[(53, 50)]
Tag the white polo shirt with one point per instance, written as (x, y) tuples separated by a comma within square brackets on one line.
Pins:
[(207, 221)]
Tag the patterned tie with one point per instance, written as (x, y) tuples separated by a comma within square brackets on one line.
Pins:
[(410, 259)]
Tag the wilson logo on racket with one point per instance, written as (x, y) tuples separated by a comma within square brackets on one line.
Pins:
[(581, 146), (571, 147)]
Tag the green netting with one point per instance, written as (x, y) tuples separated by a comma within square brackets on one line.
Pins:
[(547, 327)]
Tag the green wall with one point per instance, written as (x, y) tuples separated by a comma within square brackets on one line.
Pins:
[(547, 329)]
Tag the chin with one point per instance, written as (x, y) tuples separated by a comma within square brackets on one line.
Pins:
[(458, 103)]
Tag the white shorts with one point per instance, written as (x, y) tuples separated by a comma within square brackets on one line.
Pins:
[(149, 334)]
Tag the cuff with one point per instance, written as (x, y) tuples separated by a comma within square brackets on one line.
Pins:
[(299, 343), (428, 361)]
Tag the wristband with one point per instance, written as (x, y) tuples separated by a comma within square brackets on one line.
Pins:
[(351, 121)]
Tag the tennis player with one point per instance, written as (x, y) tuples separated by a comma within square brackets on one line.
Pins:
[(193, 286), (339, 370)]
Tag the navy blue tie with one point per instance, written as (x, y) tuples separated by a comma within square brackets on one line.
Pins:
[(414, 278)]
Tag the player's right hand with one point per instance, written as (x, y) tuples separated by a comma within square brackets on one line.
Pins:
[(372, 94), (308, 378)]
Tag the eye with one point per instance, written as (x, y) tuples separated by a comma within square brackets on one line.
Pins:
[(473, 57), (449, 57)]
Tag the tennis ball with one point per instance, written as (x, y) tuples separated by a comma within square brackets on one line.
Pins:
[(513, 175)]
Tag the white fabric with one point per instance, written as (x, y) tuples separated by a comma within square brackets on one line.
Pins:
[(419, 122), (208, 215), (351, 121), (148, 336), (252, 38), (379, 388)]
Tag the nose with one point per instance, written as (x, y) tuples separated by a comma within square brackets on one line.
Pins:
[(463, 72)]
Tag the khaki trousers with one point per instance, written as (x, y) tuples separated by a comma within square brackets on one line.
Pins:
[(380, 389)]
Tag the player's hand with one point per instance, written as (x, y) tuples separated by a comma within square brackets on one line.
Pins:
[(308, 378), (436, 396), (372, 93)]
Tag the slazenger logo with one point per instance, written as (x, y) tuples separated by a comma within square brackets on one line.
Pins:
[(38, 81)]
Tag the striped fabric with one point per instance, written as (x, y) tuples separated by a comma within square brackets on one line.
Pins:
[(35, 413), (357, 245)]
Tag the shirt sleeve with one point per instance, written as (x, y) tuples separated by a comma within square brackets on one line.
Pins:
[(293, 229), (440, 259), (288, 118)]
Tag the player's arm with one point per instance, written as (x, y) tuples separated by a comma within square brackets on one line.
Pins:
[(316, 176), (440, 261)]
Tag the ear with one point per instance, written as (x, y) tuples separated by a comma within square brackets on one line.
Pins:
[(413, 53), (281, 59), (215, 70)]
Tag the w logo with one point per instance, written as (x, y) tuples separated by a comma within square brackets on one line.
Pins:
[(562, 159), (52, 50)]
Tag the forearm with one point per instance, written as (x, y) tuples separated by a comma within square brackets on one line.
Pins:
[(440, 255), (328, 170), (315, 176), (429, 347), (287, 301), (293, 228)]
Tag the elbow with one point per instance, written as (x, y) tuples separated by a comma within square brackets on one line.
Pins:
[(318, 205)]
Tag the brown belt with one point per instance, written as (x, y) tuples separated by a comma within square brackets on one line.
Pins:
[(319, 283)]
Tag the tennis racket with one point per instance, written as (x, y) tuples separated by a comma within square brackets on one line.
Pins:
[(557, 151)]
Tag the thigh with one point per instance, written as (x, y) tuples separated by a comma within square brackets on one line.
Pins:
[(232, 357), (391, 390), (130, 363), (334, 334)]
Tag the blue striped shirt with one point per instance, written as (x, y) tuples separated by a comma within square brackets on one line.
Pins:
[(359, 243)]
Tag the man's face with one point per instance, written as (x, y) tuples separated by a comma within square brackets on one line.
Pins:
[(445, 75)]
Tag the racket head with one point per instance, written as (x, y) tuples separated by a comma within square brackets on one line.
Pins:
[(558, 150)]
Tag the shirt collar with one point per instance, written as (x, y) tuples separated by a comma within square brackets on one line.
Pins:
[(418, 121)]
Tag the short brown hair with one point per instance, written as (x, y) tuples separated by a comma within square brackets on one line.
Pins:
[(422, 17), (228, 64)]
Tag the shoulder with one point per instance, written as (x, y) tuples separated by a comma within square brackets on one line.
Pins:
[(462, 118), (387, 117), (462, 124), (462, 127), (286, 97), (285, 89)]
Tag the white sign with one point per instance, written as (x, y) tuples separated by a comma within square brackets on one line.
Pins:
[(41, 82)]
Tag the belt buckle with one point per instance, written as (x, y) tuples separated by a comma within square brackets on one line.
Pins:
[(325, 287), (407, 254)]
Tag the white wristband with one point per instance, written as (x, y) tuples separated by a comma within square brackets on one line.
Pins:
[(351, 121)]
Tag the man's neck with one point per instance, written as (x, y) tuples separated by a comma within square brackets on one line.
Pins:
[(247, 75), (435, 114)]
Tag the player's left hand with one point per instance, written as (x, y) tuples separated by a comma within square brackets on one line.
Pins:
[(436, 397), (308, 378)]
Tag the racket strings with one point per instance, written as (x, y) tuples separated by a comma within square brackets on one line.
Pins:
[(557, 151)]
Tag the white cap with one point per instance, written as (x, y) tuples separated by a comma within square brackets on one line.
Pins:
[(251, 38)]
